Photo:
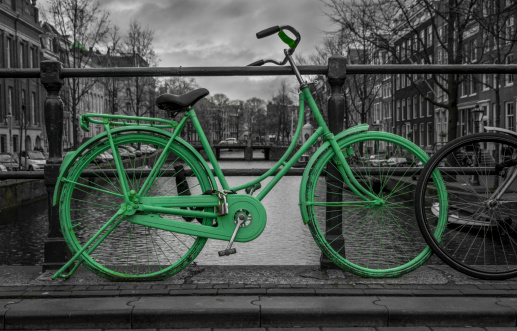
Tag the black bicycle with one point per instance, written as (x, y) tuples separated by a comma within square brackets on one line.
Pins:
[(473, 226)]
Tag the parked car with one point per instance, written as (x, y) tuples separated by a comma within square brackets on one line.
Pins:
[(2, 168), (397, 162), (376, 160), (107, 156), (100, 158), (9, 162), (124, 153), (146, 149), (229, 142), (32, 160), (132, 150)]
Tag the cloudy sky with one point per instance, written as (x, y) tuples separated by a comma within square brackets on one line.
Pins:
[(222, 33)]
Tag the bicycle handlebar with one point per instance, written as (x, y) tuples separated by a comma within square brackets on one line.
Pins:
[(284, 37), (267, 32)]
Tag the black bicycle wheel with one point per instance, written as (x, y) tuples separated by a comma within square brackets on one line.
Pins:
[(478, 217)]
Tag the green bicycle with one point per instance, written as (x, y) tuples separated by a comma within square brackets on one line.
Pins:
[(147, 214)]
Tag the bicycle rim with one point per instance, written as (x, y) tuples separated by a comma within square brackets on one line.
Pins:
[(478, 232), (130, 252), (367, 239)]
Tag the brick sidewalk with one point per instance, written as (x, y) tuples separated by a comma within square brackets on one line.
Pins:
[(257, 297)]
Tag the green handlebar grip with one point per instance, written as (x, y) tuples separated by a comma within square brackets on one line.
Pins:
[(286, 39), (84, 123)]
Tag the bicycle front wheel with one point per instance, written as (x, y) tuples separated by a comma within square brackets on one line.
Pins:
[(92, 194), (358, 235), (473, 228)]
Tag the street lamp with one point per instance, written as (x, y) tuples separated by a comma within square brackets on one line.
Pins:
[(477, 114)]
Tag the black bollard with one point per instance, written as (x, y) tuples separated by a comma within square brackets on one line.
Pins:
[(336, 114), (56, 251)]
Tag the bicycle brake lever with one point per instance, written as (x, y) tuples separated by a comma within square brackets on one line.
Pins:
[(256, 63)]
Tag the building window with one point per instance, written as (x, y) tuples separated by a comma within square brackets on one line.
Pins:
[(472, 83), (22, 55), (3, 143), (429, 106), (409, 108), (15, 143), (473, 50), (403, 109), (33, 108), (398, 110), (421, 134), (422, 106), (508, 78), (10, 99), (429, 36), (509, 29), (485, 81), (23, 109), (428, 132), (415, 106), (30, 62), (8, 52), (510, 116), (415, 134)]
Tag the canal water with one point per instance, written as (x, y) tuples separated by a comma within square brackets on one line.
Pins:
[(285, 240)]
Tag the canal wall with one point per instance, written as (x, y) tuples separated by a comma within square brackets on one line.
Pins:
[(16, 192)]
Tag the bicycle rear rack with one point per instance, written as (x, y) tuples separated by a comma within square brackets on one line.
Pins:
[(123, 120)]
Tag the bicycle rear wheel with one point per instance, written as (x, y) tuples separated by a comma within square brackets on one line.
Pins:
[(363, 238), (92, 195), (478, 232)]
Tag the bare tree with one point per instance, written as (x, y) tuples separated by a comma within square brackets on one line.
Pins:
[(279, 116), (386, 21), (86, 26), (252, 108), (138, 44), (497, 45), (219, 115), (113, 85)]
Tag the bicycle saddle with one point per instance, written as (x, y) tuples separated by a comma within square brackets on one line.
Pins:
[(175, 103)]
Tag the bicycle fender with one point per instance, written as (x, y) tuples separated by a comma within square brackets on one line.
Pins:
[(72, 156), (496, 129), (305, 179)]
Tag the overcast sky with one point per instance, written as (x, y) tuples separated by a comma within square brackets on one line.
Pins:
[(222, 33)]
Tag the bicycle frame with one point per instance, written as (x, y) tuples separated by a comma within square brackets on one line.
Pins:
[(304, 96)]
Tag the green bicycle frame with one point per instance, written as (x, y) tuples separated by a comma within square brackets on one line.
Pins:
[(323, 130)]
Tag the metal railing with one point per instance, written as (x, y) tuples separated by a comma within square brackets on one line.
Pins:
[(51, 74)]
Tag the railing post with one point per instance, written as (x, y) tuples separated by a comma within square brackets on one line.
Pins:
[(55, 246), (336, 114)]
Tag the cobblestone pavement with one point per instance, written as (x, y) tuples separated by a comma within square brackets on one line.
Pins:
[(434, 297)]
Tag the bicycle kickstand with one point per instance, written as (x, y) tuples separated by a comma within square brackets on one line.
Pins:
[(229, 250)]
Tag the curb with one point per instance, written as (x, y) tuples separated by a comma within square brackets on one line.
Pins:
[(47, 292), (256, 312)]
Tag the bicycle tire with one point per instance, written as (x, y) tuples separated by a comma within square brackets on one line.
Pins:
[(478, 233), (385, 242), (130, 252)]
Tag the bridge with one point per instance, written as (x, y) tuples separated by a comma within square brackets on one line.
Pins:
[(248, 151)]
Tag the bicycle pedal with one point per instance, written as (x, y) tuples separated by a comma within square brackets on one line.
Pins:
[(227, 252)]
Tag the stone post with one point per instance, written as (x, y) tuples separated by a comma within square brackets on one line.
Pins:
[(336, 116), (55, 247)]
